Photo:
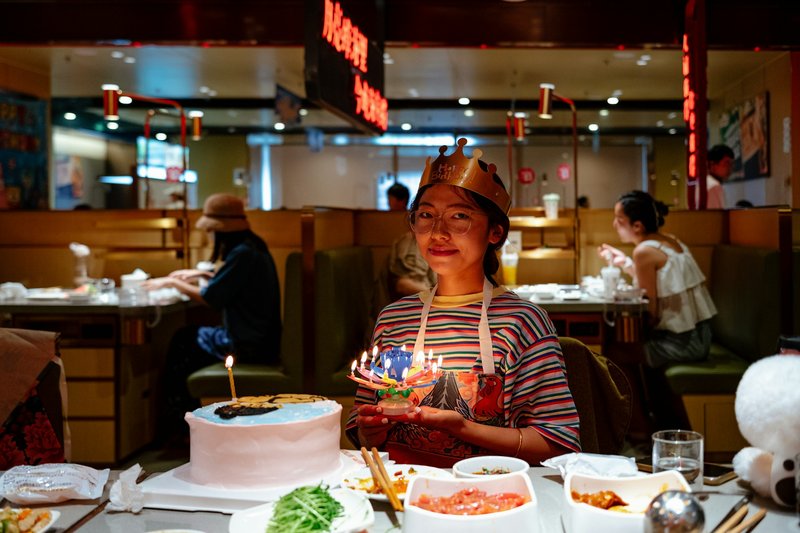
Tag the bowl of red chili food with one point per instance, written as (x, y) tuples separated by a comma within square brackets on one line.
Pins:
[(471, 505)]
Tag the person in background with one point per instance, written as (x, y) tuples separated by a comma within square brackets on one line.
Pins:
[(583, 202), (505, 389), (245, 289), (398, 196), (744, 204), (176, 197), (720, 165), (679, 305)]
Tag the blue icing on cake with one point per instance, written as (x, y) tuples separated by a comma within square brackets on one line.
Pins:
[(289, 412)]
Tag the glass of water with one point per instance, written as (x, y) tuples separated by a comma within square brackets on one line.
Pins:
[(681, 450)]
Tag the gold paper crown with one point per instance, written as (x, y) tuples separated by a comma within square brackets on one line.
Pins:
[(462, 171)]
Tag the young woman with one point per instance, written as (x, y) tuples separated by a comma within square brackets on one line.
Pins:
[(504, 390), (245, 289), (679, 304)]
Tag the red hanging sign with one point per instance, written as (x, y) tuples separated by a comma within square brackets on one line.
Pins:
[(526, 175), (563, 171)]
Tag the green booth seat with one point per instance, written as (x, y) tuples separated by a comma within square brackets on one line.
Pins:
[(720, 374)]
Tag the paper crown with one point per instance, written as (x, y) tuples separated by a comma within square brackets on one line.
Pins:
[(462, 171)]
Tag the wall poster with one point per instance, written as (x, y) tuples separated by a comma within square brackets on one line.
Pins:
[(745, 128), (23, 153)]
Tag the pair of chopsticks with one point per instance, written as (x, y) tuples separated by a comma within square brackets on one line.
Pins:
[(380, 477), (732, 523)]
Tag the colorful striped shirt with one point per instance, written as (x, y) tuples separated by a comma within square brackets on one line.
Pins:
[(527, 356)]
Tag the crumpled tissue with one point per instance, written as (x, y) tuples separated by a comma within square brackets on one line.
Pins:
[(12, 291), (52, 483), (126, 494), (593, 464)]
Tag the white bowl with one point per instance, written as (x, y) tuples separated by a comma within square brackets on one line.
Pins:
[(638, 492), (522, 518), (481, 467)]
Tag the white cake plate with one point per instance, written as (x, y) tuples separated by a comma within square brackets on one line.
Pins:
[(175, 490)]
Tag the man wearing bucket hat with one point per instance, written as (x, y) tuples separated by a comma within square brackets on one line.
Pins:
[(245, 289)]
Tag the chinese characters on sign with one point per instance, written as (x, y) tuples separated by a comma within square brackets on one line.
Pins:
[(371, 104), (344, 35)]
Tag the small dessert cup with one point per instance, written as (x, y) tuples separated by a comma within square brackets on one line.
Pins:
[(396, 405)]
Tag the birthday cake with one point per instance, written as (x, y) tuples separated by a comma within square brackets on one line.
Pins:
[(264, 441)]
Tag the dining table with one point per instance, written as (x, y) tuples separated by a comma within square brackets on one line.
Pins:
[(94, 517)]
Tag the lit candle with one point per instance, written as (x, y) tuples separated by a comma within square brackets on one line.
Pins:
[(363, 359), (353, 366), (374, 353), (229, 366)]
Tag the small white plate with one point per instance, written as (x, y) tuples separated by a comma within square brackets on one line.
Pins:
[(357, 516), (45, 526), (360, 481), (46, 295)]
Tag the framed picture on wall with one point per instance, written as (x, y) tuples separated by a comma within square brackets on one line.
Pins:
[(745, 128)]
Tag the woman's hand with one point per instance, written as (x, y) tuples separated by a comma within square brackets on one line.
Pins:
[(157, 283), (373, 426), (187, 274), (430, 417), (612, 255)]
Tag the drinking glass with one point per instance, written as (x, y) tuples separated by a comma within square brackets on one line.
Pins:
[(681, 450)]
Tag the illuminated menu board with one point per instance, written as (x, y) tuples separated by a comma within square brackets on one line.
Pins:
[(344, 60)]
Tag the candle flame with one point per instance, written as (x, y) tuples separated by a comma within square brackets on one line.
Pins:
[(430, 354), (364, 356), (434, 368), (353, 366), (403, 348), (440, 361), (388, 363), (374, 352), (229, 361)]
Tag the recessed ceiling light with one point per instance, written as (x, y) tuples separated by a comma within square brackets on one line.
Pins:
[(204, 89), (125, 100), (130, 60), (603, 112), (672, 114), (70, 116), (520, 114), (413, 92), (612, 100), (112, 125), (116, 54), (387, 59), (645, 57), (212, 93), (161, 136), (673, 131), (280, 126), (469, 113), (593, 127), (616, 92), (463, 100), (405, 126), (660, 123), (303, 112), (641, 62)]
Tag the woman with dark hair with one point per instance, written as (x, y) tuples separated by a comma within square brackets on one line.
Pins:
[(245, 289), (679, 305), (504, 390)]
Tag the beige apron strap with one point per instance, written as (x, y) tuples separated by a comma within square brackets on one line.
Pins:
[(484, 332)]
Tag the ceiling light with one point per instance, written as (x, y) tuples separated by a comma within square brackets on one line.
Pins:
[(593, 127), (520, 114), (660, 123), (612, 100), (641, 62), (469, 113), (387, 59), (130, 60), (112, 125), (161, 136), (645, 57), (70, 116), (303, 111), (212, 93), (603, 112), (413, 92), (204, 89), (672, 114), (673, 131), (197, 124), (125, 100), (616, 92), (110, 101), (116, 54), (279, 126), (546, 100), (405, 126), (463, 100)]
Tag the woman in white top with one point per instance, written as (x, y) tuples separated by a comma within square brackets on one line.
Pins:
[(679, 304)]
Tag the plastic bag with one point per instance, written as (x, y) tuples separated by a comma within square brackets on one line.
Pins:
[(52, 483)]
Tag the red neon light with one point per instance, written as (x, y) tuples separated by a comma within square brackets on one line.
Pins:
[(344, 36), (371, 104)]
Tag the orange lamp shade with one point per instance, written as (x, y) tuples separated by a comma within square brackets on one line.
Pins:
[(111, 102)]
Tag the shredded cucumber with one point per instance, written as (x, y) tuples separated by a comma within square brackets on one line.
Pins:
[(305, 509)]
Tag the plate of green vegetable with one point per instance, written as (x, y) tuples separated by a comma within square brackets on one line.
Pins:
[(307, 510)]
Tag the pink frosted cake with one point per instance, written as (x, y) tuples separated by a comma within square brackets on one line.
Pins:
[(265, 441)]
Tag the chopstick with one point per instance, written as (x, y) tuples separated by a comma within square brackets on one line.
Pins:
[(738, 505), (378, 473), (750, 523), (735, 518)]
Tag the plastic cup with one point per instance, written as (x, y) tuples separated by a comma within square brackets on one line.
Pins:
[(681, 450), (610, 275), (551, 205), (510, 263)]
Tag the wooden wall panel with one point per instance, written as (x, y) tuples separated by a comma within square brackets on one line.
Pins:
[(754, 227)]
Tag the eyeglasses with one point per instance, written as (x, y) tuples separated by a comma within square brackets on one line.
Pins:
[(455, 221)]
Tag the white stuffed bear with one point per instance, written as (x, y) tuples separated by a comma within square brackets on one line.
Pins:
[(768, 413)]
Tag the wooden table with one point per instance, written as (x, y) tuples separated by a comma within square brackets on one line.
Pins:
[(113, 359), (547, 484)]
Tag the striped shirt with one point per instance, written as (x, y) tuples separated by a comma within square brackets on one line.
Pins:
[(527, 356)]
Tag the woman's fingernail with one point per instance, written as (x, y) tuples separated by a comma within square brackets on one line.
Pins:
[(384, 420)]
